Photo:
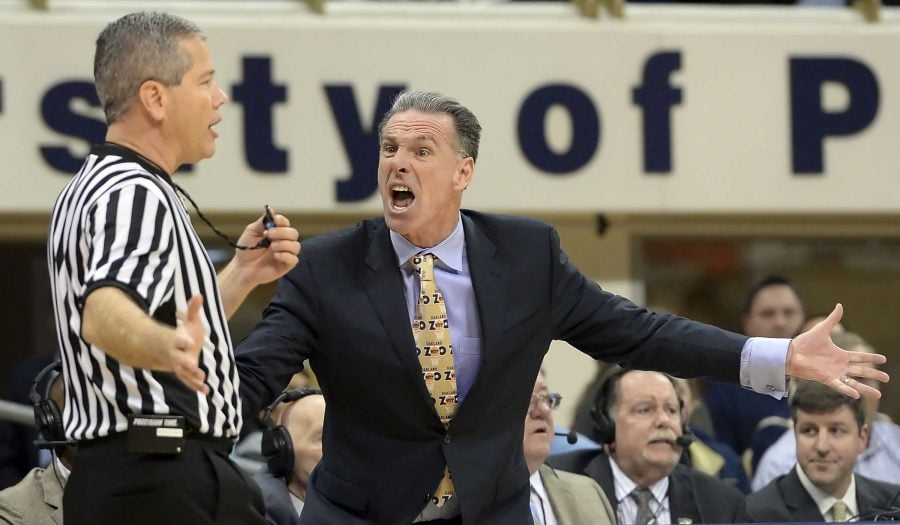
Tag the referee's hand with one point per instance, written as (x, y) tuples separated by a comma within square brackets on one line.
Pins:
[(185, 355)]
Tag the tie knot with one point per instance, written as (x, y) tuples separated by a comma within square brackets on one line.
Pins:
[(423, 264), (642, 496), (839, 511)]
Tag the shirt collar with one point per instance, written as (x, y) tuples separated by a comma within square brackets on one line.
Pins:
[(449, 251), (63, 471), (118, 150), (296, 502), (537, 484), (624, 484), (825, 501), (876, 439)]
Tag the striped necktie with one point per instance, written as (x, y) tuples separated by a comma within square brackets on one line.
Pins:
[(642, 497), (431, 330)]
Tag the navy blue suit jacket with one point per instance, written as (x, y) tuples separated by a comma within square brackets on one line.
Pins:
[(279, 507), (343, 308)]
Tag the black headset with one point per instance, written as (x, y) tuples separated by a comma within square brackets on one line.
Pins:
[(277, 445), (606, 425), (47, 414)]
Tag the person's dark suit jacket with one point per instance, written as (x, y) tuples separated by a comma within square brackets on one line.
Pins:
[(343, 307), (279, 507), (785, 499), (693, 495)]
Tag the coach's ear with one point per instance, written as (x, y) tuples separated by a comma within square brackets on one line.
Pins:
[(465, 171)]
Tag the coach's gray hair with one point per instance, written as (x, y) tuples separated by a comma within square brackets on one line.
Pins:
[(136, 48), (468, 130)]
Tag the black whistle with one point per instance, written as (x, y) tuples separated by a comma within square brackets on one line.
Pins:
[(268, 222)]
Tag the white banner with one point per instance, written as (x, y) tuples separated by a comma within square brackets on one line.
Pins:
[(706, 111)]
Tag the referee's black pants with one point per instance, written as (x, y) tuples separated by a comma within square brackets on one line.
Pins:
[(110, 485)]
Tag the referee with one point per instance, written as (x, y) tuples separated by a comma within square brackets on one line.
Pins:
[(151, 384)]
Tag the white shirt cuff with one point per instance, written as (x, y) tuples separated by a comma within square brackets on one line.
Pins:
[(763, 360)]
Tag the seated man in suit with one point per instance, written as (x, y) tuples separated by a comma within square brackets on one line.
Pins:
[(638, 416), (37, 498), (557, 497), (881, 458), (831, 432), (292, 449)]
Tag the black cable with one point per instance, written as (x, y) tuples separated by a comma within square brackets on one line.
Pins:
[(268, 222), (264, 242), (889, 514)]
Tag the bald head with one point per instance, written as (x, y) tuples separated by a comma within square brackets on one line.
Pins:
[(304, 420)]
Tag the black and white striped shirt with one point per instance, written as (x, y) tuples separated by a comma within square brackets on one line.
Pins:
[(119, 222)]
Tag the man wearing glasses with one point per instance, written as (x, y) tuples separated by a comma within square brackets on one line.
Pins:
[(557, 497)]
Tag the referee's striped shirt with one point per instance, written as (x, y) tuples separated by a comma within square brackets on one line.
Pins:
[(119, 222)]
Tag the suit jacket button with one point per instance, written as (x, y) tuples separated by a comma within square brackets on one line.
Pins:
[(447, 439)]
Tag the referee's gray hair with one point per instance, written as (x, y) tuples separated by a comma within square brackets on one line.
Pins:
[(468, 130), (136, 48)]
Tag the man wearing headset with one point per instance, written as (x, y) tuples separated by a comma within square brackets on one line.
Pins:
[(292, 448), (638, 418), (38, 497)]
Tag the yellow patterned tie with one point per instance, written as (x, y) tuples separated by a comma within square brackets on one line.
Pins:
[(839, 511), (431, 331)]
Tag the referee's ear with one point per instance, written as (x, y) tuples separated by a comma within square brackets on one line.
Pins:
[(152, 98)]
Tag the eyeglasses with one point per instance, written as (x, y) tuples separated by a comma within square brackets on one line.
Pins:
[(550, 400)]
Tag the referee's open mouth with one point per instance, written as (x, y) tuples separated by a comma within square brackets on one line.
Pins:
[(215, 134)]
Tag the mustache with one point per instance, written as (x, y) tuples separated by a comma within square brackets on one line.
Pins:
[(667, 436)]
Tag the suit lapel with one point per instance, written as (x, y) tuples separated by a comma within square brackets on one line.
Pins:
[(682, 500), (383, 284), (798, 502), (865, 500), (489, 284), (600, 470), (874, 498), (562, 501), (53, 491)]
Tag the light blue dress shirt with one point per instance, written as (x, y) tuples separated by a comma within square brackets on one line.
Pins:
[(452, 277)]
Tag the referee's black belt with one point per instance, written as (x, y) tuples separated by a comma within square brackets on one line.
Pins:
[(120, 440)]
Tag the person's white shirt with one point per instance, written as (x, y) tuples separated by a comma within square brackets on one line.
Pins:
[(626, 511), (540, 500), (298, 503), (61, 469), (825, 501)]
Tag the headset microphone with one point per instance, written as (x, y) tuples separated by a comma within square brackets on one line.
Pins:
[(685, 440), (42, 443), (571, 436)]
